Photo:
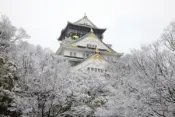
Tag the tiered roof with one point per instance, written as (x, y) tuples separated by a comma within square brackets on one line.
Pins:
[(89, 42), (88, 37), (80, 24)]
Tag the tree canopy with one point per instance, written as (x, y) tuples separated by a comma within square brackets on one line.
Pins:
[(34, 82)]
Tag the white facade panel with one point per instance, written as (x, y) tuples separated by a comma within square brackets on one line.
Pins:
[(92, 41), (67, 52)]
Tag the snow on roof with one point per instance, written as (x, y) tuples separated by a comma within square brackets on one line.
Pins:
[(85, 22)]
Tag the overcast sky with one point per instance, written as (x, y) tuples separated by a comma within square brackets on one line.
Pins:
[(129, 23)]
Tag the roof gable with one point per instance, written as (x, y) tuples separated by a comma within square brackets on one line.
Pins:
[(85, 22), (91, 39), (94, 61)]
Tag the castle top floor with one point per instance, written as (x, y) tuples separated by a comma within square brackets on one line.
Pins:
[(80, 28)]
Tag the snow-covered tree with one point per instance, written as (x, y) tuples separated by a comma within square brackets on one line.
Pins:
[(149, 80), (9, 34), (168, 37), (7, 83), (38, 83)]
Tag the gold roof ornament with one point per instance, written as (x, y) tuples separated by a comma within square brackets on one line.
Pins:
[(108, 50), (73, 45), (75, 36), (98, 57), (92, 35), (97, 51)]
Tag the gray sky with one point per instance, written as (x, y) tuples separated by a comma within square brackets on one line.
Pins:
[(129, 23)]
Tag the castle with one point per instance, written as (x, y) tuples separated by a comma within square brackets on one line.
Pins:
[(81, 43)]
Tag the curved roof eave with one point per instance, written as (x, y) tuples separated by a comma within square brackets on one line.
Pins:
[(69, 23)]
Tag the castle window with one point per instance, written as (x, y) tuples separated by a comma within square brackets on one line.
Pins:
[(88, 45), (95, 69), (74, 53), (70, 53), (91, 46), (89, 69), (85, 55)]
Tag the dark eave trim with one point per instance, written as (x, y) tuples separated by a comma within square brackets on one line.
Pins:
[(73, 57)]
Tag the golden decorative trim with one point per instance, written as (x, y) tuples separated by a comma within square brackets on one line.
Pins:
[(92, 36), (109, 50), (73, 45), (97, 50), (98, 57)]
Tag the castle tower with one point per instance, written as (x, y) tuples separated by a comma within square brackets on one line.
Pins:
[(82, 45)]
